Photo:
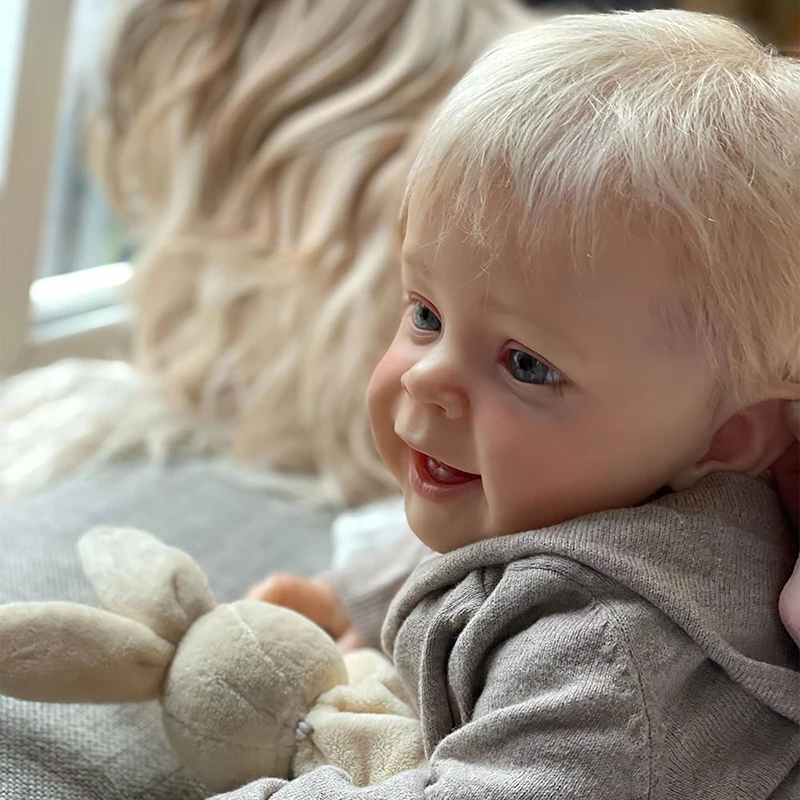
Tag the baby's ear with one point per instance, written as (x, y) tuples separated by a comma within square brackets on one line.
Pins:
[(749, 443), (139, 577)]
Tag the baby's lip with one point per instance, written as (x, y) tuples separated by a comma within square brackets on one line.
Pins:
[(455, 470), (439, 473), (427, 454)]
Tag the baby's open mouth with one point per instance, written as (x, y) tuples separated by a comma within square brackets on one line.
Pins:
[(439, 472)]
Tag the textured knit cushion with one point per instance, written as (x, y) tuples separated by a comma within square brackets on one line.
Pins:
[(236, 534)]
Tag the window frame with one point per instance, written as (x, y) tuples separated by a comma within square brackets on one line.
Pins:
[(33, 330)]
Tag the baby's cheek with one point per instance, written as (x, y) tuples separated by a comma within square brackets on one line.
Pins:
[(383, 397), (535, 475), (384, 386), (508, 453), (384, 377)]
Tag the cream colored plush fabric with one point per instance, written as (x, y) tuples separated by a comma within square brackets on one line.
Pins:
[(136, 576), (236, 534), (368, 727), (67, 652), (246, 689), (243, 678)]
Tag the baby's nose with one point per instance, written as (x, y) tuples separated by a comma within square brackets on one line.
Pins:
[(430, 384)]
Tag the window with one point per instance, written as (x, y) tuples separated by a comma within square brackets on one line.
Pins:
[(63, 261), (80, 231)]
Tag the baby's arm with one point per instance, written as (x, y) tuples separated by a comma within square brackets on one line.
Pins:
[(367, 585), (350, 602), (544, 705)]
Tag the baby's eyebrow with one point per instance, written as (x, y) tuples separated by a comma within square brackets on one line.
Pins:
[(500, 307), (412, 260)]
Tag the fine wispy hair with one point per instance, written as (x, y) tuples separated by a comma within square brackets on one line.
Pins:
[(676, 122)]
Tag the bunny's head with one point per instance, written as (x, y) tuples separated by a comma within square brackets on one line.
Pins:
[(234, 680)]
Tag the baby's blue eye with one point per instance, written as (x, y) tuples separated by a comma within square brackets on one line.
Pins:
[(423, 318), (528, 369)]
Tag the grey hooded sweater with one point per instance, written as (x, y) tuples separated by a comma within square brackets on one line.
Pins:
[(634, 654)]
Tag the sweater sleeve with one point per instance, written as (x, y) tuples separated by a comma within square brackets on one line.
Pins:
[(547, 707), (368, 584)]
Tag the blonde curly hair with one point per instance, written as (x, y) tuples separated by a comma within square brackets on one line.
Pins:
[(259, 149)]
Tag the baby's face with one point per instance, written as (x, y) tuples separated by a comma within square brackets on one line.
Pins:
[(515, 397)]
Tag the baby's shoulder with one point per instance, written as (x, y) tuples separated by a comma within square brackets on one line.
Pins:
[(557, 586), (559, 577)]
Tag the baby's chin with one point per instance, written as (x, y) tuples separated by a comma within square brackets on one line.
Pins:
[(446, 535), (443, 529), (448, 527)]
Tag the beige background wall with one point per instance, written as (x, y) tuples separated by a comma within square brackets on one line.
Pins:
[(775, 20)]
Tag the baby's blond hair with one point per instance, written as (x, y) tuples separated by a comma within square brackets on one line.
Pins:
[(677, 120)]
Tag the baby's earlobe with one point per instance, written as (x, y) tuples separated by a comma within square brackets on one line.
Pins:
[(687, 478)]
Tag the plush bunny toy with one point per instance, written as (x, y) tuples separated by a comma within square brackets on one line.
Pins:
[(247, 689)]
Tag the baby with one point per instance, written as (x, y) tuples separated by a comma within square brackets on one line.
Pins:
[(602, 328)]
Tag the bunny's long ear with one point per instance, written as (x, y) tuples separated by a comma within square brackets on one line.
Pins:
[(66, 652), (136, 575)]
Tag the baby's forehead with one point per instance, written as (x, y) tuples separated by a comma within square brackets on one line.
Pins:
[(627, 283), (697, 135), (604, 302)]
